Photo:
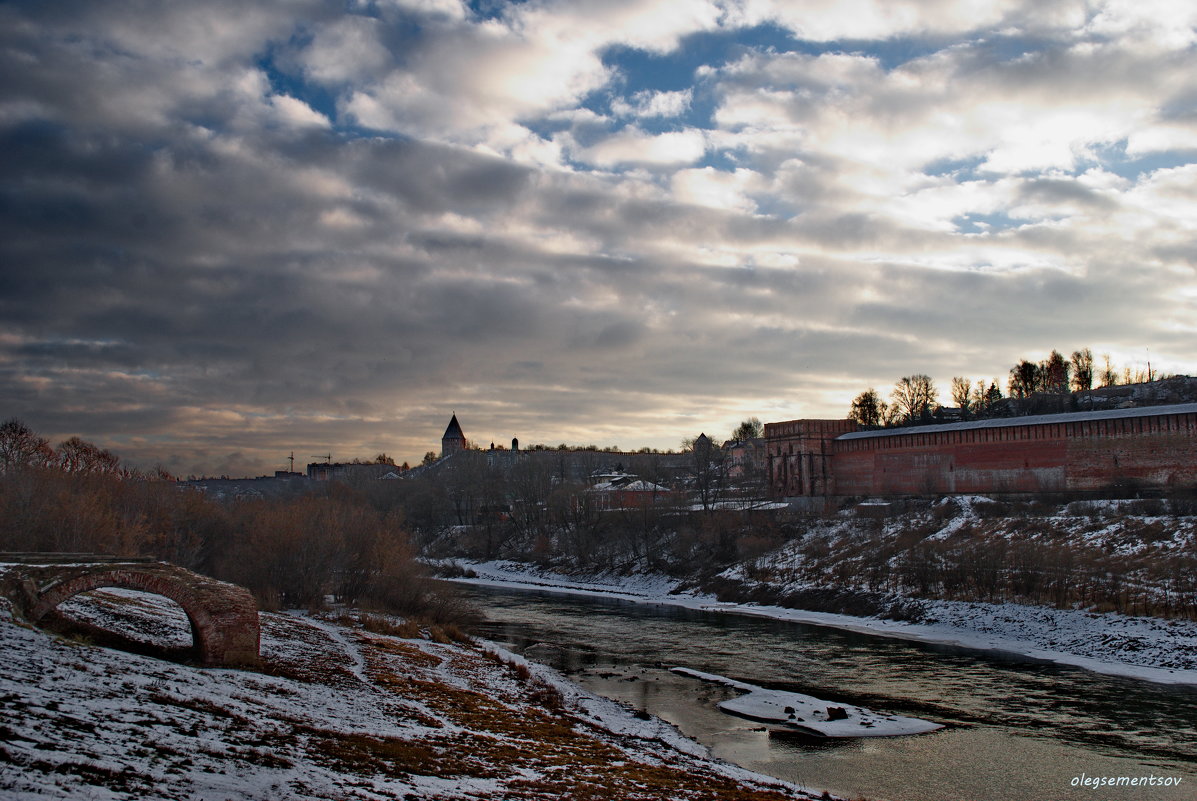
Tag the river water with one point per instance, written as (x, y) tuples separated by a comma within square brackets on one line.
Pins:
[(1016, 729)]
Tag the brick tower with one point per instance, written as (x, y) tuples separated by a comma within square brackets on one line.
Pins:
[(453, 440)]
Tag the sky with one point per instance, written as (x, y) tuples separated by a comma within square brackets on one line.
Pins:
[(233, 231)]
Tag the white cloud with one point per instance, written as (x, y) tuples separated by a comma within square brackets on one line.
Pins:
[(707, 186), (654, 104), (1163, 136), (1156, 24), (634, 146), (828, 20), (296, 113), (346, 49), (463, 79), (865, 135)]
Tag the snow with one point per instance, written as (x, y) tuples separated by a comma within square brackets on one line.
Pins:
[(809, 714), (336, 712), (1150, 649)]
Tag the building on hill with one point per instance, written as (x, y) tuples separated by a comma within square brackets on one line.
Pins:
[(1147, 448), (453, 440), (351, 471), (745, 458), (616, 491)]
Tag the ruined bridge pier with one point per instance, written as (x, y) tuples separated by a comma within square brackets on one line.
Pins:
[(223, 616)]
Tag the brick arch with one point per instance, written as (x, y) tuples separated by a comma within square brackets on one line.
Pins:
[(223, 617)]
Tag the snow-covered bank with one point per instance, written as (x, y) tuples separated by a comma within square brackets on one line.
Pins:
[(1152, 649), (337, 711)]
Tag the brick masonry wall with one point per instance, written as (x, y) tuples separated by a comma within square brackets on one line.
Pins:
[(1081, 456), (799, 455)]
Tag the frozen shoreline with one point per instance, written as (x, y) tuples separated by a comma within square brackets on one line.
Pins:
[(1150, 649)]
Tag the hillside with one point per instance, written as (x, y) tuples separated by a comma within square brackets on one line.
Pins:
[(337, 711), (1132, 556)]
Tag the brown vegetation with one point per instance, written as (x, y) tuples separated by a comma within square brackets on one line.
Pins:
[(289, 553)]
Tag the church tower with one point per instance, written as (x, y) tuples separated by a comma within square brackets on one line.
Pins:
[(453, 440)]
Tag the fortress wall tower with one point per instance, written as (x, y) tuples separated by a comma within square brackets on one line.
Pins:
[(453, 440)]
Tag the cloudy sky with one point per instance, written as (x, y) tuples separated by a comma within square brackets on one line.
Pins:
[(234, 230)]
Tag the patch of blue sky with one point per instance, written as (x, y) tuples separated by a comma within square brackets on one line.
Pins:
[(641, 70), (1114, 158), (491, 9), (993, 48), (725, 160), (777, 206), (320, 98), (973, 223), (295, 84), (964, 169), (890, 53)]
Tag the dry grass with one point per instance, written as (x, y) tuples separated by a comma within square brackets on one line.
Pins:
[(530, 742)]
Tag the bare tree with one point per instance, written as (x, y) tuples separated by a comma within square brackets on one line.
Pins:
[(1082, 370), (1108, 375), (706, 469), (1025, 379), (982, 400), (962, 394), (992, 395), (1054, 374), (752, 428), (867, 408), (76, 455), (20, 447), (913, 397)]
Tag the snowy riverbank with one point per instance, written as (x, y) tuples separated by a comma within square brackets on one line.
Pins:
[(338, 709), (1152, 649)]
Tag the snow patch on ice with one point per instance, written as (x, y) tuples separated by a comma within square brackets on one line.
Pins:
[(810, 714)]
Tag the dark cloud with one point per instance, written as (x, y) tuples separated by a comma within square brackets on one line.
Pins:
[(206, 262)]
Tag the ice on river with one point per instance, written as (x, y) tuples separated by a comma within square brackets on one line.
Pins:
[(810, 714)]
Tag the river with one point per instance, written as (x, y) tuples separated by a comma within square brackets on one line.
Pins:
[(1016, 729)]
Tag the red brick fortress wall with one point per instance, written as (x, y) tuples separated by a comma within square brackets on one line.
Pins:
[(1014, 459), (1151, 447), (798, 455)]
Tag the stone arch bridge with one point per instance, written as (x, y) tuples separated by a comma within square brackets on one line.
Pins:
[(223, 616)]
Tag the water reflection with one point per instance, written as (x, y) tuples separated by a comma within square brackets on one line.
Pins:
[(1017, 728)]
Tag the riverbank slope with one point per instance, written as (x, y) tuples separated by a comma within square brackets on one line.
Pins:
[(351, 708)]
